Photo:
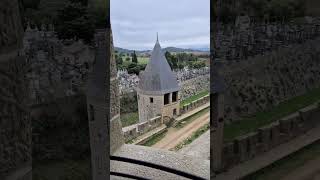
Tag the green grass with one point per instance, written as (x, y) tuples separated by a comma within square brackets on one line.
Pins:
[(194, 136), (129, 119), (189, 119), (284, 166), (141, 60), (194, 97), (155, 138), (250, 124)]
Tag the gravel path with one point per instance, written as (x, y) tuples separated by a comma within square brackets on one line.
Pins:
[(175, 136)]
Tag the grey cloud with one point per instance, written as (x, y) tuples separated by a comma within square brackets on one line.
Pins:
[(180, 23)]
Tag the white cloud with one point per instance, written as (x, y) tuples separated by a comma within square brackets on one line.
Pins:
[(180, 23)]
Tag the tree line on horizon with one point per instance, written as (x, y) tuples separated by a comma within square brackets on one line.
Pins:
[(176, 61)]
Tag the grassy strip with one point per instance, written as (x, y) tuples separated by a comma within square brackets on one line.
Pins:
[(129, 119), (194, 97), (155, 138), (194, 136), (141, 60), (260, 119), (189, 119), (284, 166)]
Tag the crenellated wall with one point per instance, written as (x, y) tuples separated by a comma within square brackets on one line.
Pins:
[(245, 147), (194, 104), (141, 128)]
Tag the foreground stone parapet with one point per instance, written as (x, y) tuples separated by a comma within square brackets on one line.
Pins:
[(170, 159)]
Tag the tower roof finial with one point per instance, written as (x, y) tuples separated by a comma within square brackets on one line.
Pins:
[(157, 37)]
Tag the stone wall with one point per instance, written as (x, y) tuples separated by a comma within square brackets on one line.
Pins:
[(15, 131), (148, 110), (60, 129), (141, 128), (245, 147), (194, 86), (189, 88), (57, 68), (264, 81), (194, 104)]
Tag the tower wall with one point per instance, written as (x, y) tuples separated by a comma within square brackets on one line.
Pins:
[(168, 108), (149, 110)]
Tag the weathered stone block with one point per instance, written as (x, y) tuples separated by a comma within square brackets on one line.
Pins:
[(143, 127), (253, 141), (228, 156), (286, 125), (243, 144), (310, 116), (264, 137), (275, 134), (130, 134)]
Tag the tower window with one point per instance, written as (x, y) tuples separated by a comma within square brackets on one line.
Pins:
[(91, 111), (151, 100), (166, 98), (174, 96)]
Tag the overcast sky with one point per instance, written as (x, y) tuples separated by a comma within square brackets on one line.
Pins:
[(180, 23)]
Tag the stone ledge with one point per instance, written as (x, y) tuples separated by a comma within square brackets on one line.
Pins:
[(166, 158)]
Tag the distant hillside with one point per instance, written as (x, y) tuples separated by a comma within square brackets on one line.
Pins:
[(169, 49)]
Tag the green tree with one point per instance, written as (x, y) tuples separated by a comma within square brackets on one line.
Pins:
[(198, 64), (119, 61), (172, 60), (74, 22), (134, 57), (133, 68)]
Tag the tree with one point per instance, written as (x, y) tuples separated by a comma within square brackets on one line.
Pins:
[(133, 68), (172, 60), (127, 58), (74, 22), (119, 61), (134, 57)]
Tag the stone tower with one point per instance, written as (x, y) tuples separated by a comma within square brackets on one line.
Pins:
[(15, 122), (217, 122), (158, 89), (102, 98)]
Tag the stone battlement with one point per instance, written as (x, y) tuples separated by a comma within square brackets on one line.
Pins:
[(138, 129), (247, 146), (194, 104)]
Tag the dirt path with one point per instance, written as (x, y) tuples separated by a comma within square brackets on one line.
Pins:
[(175, 136), (309, 171)]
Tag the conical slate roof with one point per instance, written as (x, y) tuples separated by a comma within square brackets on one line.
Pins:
[(158, 77)]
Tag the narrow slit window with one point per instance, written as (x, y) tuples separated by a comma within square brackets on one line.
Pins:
[(151, 100)]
